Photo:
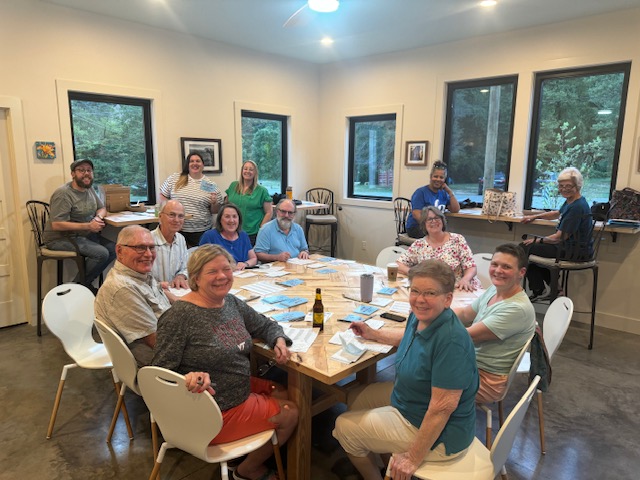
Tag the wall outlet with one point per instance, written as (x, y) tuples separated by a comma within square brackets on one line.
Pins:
[(364, 245)]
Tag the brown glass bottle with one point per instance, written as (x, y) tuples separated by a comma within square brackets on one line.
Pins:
[(318, 311)]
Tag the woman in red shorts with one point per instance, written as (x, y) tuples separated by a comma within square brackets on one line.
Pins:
[(207, 336)]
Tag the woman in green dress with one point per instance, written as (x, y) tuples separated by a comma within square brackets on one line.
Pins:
[(252, 199)]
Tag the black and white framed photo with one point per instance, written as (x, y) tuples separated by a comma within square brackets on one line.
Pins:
[(416, 154), (209, 149)]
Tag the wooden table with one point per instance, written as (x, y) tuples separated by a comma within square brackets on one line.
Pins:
[(315, 368)]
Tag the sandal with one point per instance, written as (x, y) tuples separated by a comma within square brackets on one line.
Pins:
[(268, 475)]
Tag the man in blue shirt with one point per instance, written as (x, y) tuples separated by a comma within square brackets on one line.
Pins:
[(282, 238)]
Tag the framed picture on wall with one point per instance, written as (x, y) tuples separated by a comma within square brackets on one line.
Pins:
[(209, 149), (416, 153)]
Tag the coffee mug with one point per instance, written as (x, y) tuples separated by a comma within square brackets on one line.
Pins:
[(392, 272)]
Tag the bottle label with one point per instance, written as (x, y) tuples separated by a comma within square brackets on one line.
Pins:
[(318, 319)]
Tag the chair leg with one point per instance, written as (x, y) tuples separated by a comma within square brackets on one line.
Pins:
[(155, 473), (503, 473), (500, 413), (116, 412), (334, 238), (56, 403), (541, 423), (593, 305), (154, 436), (123, 406), (489, 430), (39, 299), (276, 453)]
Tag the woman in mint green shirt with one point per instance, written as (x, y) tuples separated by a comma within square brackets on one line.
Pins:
[(252, 199)]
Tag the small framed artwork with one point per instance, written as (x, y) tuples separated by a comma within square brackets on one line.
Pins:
[(416, 154), (45, 150), (209, 149)]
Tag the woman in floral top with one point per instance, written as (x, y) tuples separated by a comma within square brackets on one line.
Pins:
[(451, 248)]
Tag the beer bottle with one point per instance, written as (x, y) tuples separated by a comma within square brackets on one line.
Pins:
[(318, 311)]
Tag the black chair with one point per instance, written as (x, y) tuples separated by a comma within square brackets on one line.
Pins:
[(38, 215), (322, 216), (401, 212), (570, 257)]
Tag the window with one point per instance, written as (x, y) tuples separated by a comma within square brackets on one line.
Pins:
[(264, 140), (115, 133), (478, 134), (372, 142), (577, 121)]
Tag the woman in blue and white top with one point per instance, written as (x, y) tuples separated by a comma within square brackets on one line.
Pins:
[(200, 197)]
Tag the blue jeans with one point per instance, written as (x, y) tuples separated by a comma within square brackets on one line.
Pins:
[(97, 251)]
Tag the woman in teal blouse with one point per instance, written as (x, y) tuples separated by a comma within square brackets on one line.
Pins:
[(252, 199)]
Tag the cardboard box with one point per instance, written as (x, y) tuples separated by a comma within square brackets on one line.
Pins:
[(116, 197)]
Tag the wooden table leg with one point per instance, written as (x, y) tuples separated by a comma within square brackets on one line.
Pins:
[(299, 445)]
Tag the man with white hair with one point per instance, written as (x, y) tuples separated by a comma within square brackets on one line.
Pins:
[(131, 300), (281, 238), (170, 266)]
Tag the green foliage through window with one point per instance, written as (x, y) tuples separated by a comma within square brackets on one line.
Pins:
[(371, 156), (478, 134), (264, 140), (578, 120), (115, 134)]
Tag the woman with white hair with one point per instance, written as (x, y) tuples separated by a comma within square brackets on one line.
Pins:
[(574, 224)]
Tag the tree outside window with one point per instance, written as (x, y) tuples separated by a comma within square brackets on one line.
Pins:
[(478, 135), (371, 156), (115, 133), (578, 119), (264, 140)]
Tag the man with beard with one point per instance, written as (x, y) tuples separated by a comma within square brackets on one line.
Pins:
[(78, 212), (131, 300), (281, 238)]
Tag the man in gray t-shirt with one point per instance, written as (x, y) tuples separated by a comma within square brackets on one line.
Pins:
[(77, 212)]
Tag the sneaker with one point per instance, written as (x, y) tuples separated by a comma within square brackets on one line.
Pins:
[(538, 296)]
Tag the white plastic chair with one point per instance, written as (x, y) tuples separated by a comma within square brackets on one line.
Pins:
[(478, 462), (555, 326), (388, 255), (68, 313), (510, 377), (124, 363), (189, 421), (483, 260)]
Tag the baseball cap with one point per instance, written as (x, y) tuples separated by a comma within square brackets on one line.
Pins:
[(77, 163)]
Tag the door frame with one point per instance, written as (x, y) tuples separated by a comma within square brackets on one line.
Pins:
[(21, 192)]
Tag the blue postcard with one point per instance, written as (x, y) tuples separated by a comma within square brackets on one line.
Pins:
[(366, 310), (387, 291), (288, 317), (326, 270), (292, 282)]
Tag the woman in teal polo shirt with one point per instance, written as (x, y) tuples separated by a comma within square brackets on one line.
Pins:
[(254, 200), (428, 412)]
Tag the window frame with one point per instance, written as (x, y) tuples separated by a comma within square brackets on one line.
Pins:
[(452, 87), (145, 104), (352, 121), (536, 107), (284, 124)]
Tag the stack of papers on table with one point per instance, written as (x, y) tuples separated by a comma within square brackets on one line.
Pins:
[(302, 338)]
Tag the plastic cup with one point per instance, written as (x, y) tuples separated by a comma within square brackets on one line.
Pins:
[(366, 287), (392, 272)]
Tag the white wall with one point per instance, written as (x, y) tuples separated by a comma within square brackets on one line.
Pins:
[(198, 83), (416, 79)]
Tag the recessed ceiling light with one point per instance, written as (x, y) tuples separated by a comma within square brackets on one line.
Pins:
[(484, 90), (488, 3), (605, 111), (326, 41), (324, 6)]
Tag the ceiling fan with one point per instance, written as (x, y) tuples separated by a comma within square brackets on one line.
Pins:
[(322, 6)]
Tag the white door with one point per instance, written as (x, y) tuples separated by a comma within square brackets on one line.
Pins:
[(12, 303)]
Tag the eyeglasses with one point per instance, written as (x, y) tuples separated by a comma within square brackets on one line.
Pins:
[(433, 220), (566, 187), (84, 170), (174, 215), (287, 212), (428, 295), (142, 249)]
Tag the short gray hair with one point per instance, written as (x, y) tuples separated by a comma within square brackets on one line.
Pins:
[(436, 270), (128, 232), (572, 174), (200, 257)]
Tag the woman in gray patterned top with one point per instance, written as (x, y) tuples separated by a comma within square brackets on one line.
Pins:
[(207, 336)]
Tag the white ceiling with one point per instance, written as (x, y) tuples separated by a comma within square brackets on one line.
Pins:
[(359, 27)]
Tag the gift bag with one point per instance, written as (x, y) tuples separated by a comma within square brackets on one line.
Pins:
[(498, 203), (625, 204)]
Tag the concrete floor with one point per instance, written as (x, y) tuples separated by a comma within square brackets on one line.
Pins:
[(591, 412)]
